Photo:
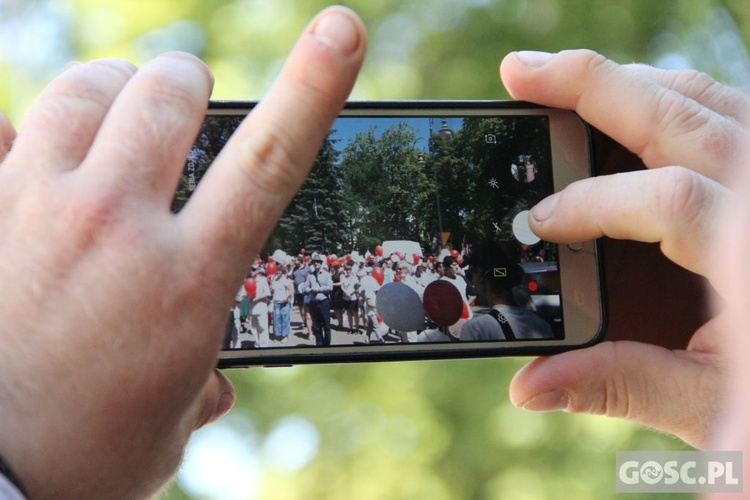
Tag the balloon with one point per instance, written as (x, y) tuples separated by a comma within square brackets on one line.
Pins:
[(271, 269), (379, 251), (400, 307), (379, 275), (465, 310), (415, 259), (250, 287), (442, 303), (454, 254), (382, 329)]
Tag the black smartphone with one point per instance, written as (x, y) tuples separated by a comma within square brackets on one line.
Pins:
[(410, 239)]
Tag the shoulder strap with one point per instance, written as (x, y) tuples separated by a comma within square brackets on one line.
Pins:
[(504, 324)]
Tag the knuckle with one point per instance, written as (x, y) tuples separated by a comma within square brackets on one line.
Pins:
[(697, 83), (680, 195), (593, 61), (54, 111), (719, 140), (270, 163), (679, 117), (592, 66), (613, 396), (674, 111)]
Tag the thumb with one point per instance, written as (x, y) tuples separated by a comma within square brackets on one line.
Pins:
[(215, 401), (678, 392)]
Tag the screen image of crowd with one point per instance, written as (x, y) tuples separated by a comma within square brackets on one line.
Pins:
[(384, 297), (432, 207)]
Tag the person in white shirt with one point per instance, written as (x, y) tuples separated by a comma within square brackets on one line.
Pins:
[(350, 288), (259, 306), (282, 291)]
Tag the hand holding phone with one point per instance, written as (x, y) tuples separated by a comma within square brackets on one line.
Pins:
[(653, 301)]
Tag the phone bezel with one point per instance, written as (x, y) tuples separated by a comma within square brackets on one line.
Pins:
[(581, 269)]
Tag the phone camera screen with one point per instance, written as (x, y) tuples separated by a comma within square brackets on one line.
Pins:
[(408, 230)]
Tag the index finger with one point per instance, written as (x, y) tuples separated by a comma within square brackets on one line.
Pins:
[(256, 175)]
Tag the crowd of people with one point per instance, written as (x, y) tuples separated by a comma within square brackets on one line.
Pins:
[(325, 288)]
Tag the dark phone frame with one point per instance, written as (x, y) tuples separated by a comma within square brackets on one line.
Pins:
[(413, 353)]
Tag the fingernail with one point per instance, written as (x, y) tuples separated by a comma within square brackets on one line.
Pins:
[(338, 30), (547, 401), (544, 209), (533, 58)]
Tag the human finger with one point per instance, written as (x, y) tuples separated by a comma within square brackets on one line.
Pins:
[(7, 135), (661, 125), (679, 392), (62, 122), (143, 141), (215, 401), (247, 188), (700, 87), (673, 206)]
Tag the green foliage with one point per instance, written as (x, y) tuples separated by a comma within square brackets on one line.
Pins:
[(380, 172)]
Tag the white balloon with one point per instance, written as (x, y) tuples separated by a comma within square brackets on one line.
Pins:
[(400, 307)]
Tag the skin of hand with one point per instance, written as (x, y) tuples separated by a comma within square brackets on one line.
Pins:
[(731, 430), (667, 118), (113, 307)]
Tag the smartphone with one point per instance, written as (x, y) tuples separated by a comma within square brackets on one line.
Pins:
[(410, 239)]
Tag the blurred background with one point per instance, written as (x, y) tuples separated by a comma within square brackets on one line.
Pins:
[(438, 430)]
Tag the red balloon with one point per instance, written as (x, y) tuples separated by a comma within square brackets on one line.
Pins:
[(379, 251), (454, 254), (443, 303), (250, 287), (270, 269), (378, 274), (415, 258)]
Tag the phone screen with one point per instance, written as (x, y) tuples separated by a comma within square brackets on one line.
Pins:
[(408, 230)]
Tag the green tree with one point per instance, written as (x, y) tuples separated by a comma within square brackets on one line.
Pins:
[(382, 175), (316, 218)]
